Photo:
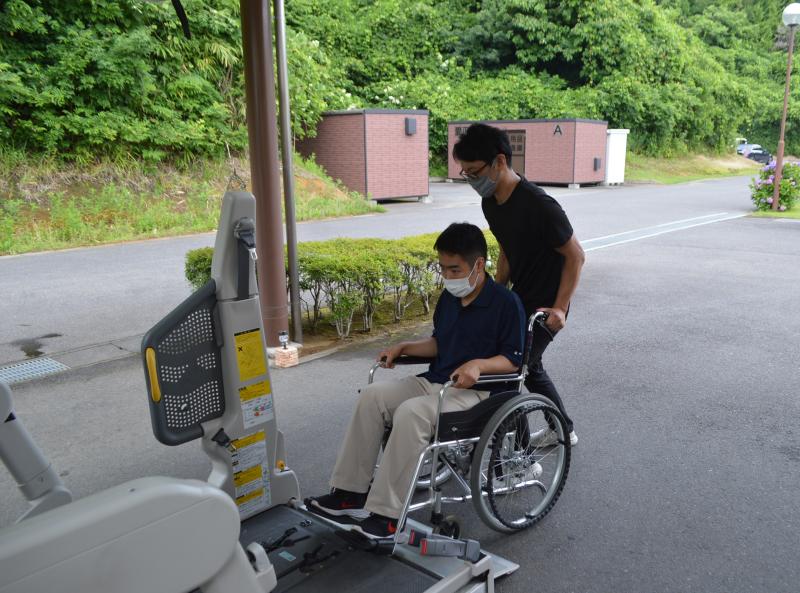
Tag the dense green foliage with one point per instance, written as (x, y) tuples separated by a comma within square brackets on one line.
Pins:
[(118, 78), (681, 75), (342, 277)]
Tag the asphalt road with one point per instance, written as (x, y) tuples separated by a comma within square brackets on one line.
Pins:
[(679, 367), (63, 303)]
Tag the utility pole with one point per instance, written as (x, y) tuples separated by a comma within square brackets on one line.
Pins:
[(262, 131), (791, 18), (288, 177)]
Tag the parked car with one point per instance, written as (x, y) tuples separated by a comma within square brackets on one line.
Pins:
[(759, 155), (745, 148)]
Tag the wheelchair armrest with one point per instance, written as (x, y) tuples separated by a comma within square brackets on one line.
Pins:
[(414, 359), (482, 380), (499, 378), (485, 379), (400, 360)]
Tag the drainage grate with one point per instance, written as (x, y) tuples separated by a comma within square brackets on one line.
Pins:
[(31, 369)]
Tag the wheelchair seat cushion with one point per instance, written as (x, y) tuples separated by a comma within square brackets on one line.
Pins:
[(466, 424)]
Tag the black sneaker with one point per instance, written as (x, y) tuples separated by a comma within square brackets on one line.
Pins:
[(339, 503), (377, 526)]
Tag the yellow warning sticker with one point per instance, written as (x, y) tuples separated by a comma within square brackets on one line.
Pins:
[(256, 494), (249, 475), (250, 355), (250, 439), (253, 391)]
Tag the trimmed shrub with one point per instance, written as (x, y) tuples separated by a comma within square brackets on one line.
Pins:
[(345, 276), (198, 266)]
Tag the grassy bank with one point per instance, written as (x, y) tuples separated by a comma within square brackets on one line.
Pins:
[(643, 169), (793, 213), (45, 204)]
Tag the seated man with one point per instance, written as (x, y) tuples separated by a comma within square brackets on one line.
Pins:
[(478, 328)]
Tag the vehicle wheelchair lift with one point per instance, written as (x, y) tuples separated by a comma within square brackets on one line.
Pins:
[(245, 529)]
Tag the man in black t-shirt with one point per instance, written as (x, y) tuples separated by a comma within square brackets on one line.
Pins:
[(539, 253)]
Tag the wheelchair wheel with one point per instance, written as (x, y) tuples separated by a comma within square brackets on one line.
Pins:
[(516, 481)]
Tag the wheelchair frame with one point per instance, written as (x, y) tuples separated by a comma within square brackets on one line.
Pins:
[(436, 448)]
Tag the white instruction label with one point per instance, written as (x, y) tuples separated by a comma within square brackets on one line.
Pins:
[(256, 402)]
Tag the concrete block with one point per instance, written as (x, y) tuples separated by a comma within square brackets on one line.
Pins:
[(286, 357)]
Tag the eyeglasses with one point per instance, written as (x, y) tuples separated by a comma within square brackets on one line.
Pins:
[(443, 270), (474, 174)]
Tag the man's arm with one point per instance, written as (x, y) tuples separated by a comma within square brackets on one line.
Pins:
[(574, 257), (425, 347), (466, 375), (503, 274)]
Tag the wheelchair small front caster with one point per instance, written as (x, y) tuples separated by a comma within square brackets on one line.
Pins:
[(449, 527)]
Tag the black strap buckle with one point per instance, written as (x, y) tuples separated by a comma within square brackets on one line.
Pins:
[(245, 233)]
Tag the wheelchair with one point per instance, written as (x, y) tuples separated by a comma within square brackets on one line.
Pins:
[(494, 452)]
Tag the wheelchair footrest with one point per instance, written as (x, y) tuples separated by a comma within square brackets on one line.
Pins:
[(359, 541)]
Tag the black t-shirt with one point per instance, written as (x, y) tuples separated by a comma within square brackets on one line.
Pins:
[(529, 226)]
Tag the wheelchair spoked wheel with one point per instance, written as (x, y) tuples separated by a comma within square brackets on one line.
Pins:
[(443, 474), (516, 478)]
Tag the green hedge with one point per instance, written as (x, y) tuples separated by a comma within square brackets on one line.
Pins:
[(345, 277)]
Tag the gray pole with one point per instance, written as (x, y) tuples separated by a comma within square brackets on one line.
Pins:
[(288, 178), (776, 193)]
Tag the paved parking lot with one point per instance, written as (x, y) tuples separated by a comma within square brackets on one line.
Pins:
[(679, 367)]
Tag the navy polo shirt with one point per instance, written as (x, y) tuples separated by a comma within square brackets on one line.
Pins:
[(492, 324)]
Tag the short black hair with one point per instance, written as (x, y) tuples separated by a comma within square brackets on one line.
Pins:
[(464, 239), (482, 142)]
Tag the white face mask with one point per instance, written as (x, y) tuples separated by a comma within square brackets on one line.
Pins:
[(461, 287)]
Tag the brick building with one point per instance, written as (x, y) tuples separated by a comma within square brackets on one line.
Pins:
[(381, 153), (547, 151)]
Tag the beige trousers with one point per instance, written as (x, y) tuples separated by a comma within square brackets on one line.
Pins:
[(409, 406)]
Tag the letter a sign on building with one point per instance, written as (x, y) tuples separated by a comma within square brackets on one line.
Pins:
[(557, 131)]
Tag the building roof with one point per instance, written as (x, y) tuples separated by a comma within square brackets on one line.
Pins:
[(526, 121), (377, 111)]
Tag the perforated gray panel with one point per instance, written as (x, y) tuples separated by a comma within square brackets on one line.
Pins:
[(196, 329), (189, 369), (207, 361), (184, 410), (170, 374)]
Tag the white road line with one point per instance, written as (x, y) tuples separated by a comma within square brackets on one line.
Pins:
[(719, 217), (658, 226)]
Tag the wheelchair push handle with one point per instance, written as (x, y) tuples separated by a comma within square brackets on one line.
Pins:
[(539, 317)]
